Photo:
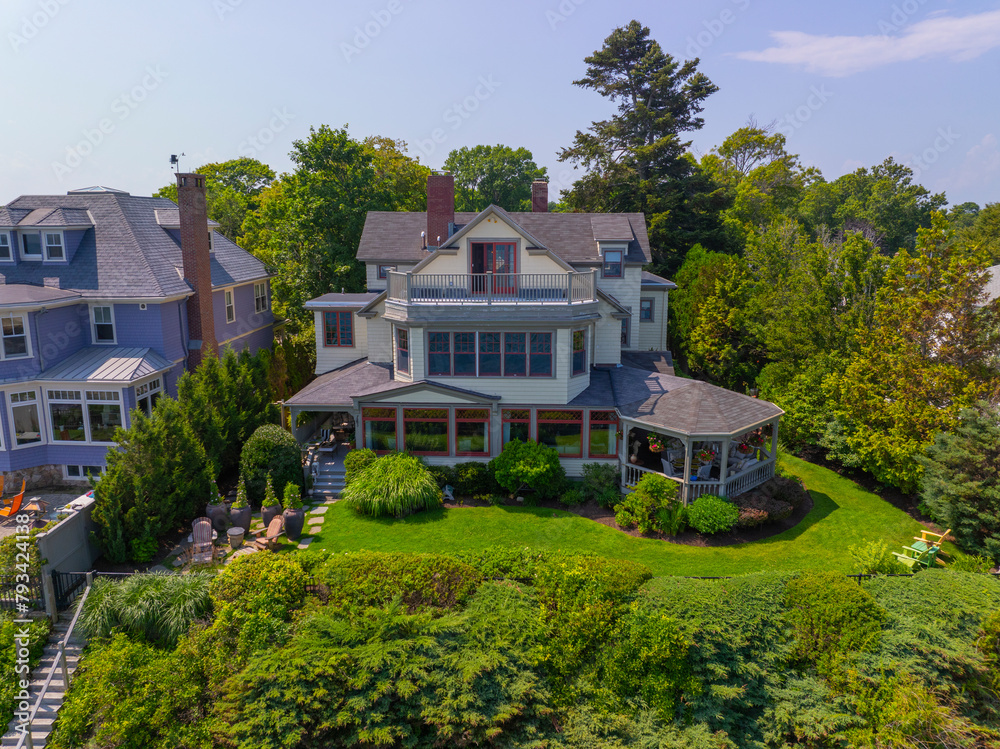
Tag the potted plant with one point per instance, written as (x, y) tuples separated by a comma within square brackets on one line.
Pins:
[(744, 450), (656, 443), (705, 456), (271, 508), (295, 516), (239, 514), (216, 511)]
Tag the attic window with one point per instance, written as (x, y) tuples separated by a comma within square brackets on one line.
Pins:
[(54, 246), (4, 246), (612, 264), (31, 245)]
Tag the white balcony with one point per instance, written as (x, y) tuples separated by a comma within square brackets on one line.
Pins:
[(493, 288)]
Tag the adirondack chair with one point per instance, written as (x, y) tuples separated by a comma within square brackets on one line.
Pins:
[(14, 507), (914, 556), (202, 549), (10, 500), (930, 538), (274, 531)]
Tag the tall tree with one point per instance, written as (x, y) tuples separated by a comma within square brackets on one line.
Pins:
[(497, 175), (635, 161), (985, 232), (232, 190)]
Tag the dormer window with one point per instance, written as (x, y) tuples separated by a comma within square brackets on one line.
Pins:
[(54, 246), (31, 245), (613, 264), (5, 246)]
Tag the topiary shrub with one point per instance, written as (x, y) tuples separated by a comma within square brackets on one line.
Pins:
[(528, 465), (270, 450), (355, 462), (393, 486), (710, 514), (651, 506), (292, 500), (474, 478)]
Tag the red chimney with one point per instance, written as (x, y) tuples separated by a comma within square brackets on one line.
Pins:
[(197, 271), (440, 207), (539, 196)]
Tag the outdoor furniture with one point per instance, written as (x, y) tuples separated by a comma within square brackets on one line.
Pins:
[(10, 500), (15, 505), (705, 472), (931, 538), (668, 468), (912, 556), (202, 548), (274, 531)]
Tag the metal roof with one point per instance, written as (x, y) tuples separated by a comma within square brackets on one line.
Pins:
[(108, 364)]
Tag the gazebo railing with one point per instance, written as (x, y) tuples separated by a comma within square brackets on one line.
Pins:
[(691, 490)]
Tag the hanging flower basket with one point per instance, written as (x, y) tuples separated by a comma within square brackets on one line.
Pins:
[(705, 456), (656, 443)]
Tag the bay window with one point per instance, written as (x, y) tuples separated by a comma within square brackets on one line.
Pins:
[(66, 412), (105, 414), (24, 414), (403, 350), (579, 352), (603, 428), (562, 430), (472, 431), (516, 424), (379, 428), (425, 431), (146, 396)]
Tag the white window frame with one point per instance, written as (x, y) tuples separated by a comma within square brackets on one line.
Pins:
[(46, 245), (146, 390), (27, 335), (24, 254), (39, 409), (74, 397), (90, 397), (227, 295), (93, 325), (5, 245), (260, 301)]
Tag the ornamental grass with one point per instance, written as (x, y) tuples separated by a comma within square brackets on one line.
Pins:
[(393, 486)]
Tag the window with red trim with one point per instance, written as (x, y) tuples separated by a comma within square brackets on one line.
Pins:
[(379, 428), (403, 350), (383, 270), (338, 329), (579, 351), (465, 354), (439, 354), (540, 364), (490, 356), (516, 424), (425, 431), (472, 431), (562, 430), (515, 359), (603, 441)]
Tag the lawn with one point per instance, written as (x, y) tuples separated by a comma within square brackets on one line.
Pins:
[(843, 514)]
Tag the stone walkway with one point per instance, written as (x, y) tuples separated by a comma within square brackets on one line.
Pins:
[(52, 498)]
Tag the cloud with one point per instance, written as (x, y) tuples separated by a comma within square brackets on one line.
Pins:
[(959, 39), (979, 169)]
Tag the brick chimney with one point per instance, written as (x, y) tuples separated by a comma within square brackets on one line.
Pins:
[(197, 272), (440, 207), (539, 196)]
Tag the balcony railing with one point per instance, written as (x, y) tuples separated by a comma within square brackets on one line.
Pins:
[(492, 288)]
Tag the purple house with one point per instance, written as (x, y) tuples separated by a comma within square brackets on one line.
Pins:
[(105, 300)]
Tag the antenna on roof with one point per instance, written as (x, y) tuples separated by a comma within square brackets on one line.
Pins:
[(175, 162)]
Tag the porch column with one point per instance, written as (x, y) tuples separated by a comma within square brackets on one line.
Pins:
[(723, 467), (774, 438), (687, 468)]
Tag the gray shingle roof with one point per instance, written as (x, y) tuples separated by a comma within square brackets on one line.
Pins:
[(395, 236), (127, 253), (336, 388), (16, 295), (114, 364), (56, 217), (651, 279), (993, 285)]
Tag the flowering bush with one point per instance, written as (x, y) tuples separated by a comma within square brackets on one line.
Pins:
[(656, 442)]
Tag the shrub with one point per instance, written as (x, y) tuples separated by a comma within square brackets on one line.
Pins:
[(573, 497), (875, 558), (474, 478), (710, 514), (750, 517), (11, 547), (156, 607), (355, 462), (370, 578), (270, 583), (270, 451), (528, 465), (443, 475), (609, 498), (967, 563), (38, 633), (643, 506), (393, 486), (241, 495), (600, 480), (293, 497)]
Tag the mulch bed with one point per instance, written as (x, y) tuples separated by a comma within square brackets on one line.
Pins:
[(604, 516)]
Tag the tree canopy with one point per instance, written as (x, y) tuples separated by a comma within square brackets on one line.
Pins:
[(497, 175)]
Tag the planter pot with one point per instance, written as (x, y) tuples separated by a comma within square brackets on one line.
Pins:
[(236, 536), (655, 449), (294, 520), (240, 517), (267, 514), (219, 517)]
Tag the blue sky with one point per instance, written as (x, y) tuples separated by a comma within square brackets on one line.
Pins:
[(103, 91)]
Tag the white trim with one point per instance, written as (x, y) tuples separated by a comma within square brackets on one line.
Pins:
[(266, 297), (230, 302), (25, 257), (39, 412), (26, 326), (94, 324), (62, 245), (85, 401), (5, 242)]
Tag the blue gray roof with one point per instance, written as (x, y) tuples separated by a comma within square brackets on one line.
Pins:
[(126, 253), (108, 364)]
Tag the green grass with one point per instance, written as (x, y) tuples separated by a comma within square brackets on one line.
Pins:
[(843, 514)]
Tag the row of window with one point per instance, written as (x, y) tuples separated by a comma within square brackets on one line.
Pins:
[(482, 354), (466, 431), (74, 415), (34, 246), (15, 343)]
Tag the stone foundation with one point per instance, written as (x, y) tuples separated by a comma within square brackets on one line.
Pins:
[(36, 478)]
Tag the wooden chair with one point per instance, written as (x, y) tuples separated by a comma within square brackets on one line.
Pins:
[(931, 538), (1, 484), (274, 531), (913, 556), (15, 505), (8, 502), (202, 549)]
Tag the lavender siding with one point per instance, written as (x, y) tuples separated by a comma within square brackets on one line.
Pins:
[(248, 324), (137, 327), (172, 319), (72, 240), (263, 338), (61, 332)]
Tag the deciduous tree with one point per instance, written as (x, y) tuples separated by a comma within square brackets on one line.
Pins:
[(497, 175)]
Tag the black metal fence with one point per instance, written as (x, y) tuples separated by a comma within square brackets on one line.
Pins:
[(19, 595)]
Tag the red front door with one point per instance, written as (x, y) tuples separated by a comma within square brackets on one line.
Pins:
[(498, 259)]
